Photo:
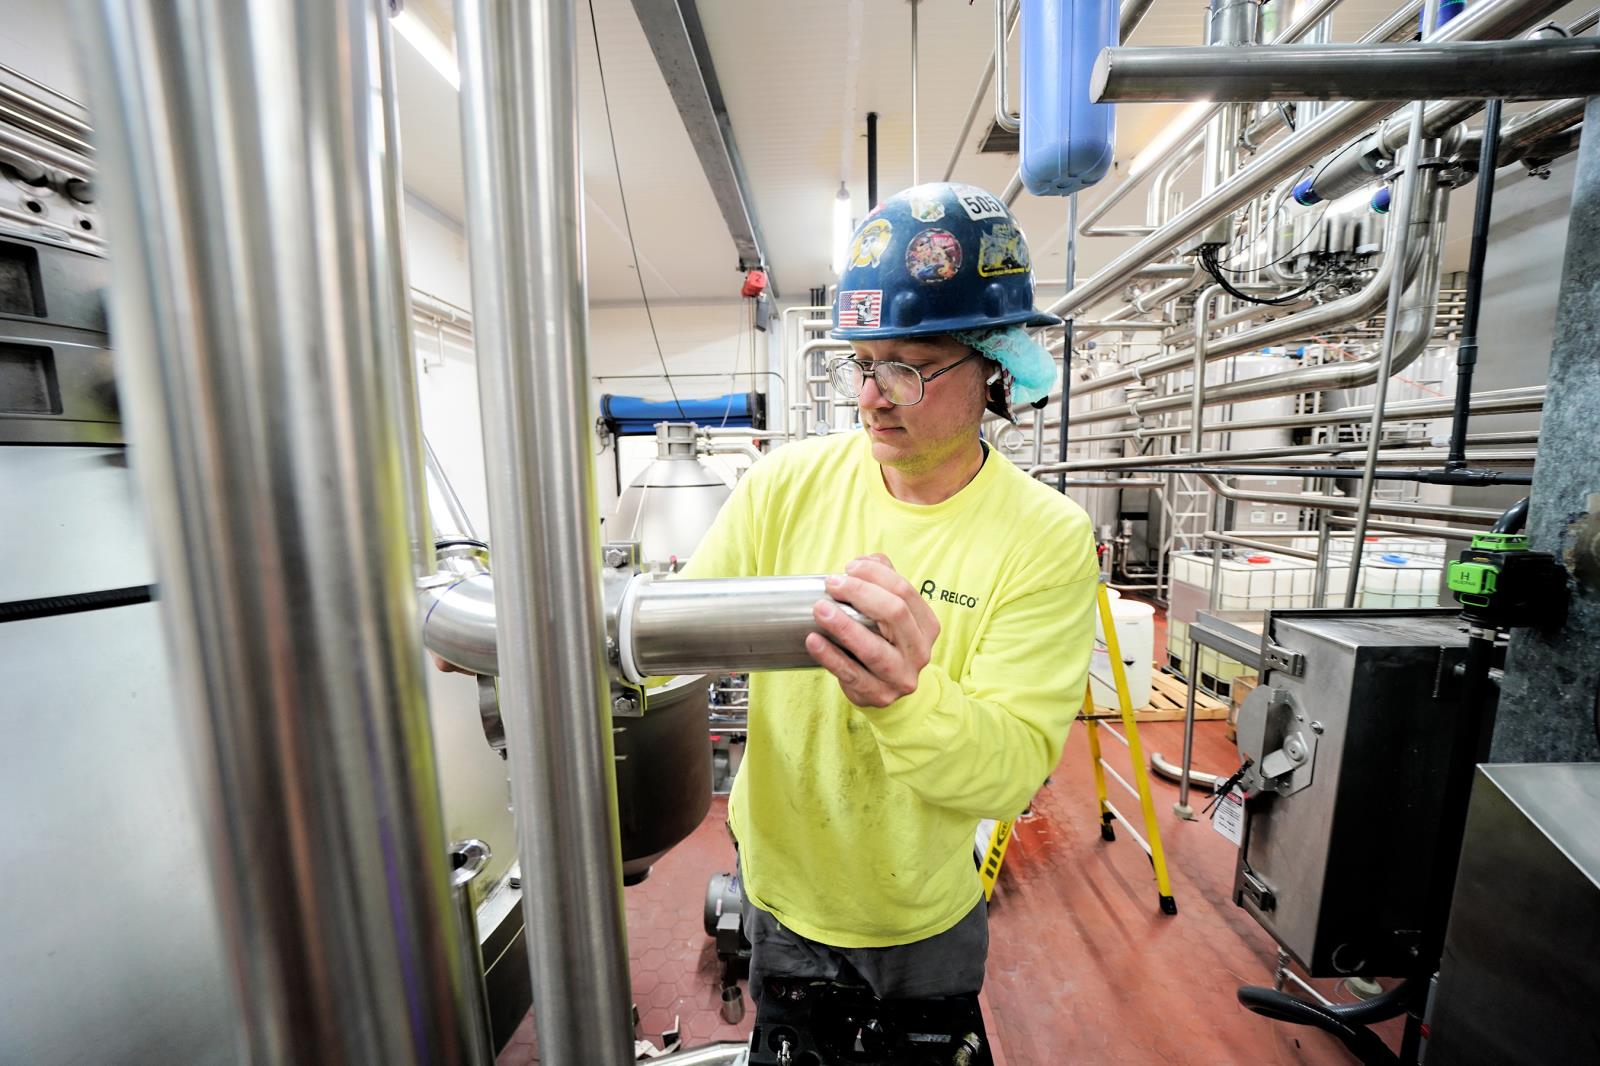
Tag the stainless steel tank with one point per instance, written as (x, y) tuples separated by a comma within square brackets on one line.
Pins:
[(664, 756), (667, 509), (663, 764)]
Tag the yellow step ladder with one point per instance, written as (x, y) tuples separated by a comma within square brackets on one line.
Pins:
[(1150, 840)]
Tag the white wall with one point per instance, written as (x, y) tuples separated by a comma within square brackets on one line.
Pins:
[(36, 39), (447, 379), (707, 346)]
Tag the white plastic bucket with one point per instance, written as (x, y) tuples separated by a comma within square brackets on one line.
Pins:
[(1136, 635), (1113, 595)]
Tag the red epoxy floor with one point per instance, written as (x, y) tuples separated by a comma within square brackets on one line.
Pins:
[(1083, 968)]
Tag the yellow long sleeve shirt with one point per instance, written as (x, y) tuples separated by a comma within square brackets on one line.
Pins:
[(854, 824)]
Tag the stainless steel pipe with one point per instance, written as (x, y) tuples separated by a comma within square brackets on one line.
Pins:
[(1003, 115), (391, 298), (467, 860), (1488, 20), (984, 81), (1524, 132), (1418, 310), (1313, 501), (519, 106), (1131, 13), (1547, 69), (1407, 201), (440, 491), (240, 151), (1508, 401), (458, 620), (716, 626), (661, 628)]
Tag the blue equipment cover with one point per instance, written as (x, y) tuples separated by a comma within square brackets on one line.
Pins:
[(629, 416)]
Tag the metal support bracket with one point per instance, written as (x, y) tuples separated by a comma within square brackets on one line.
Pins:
[(1286, 660)]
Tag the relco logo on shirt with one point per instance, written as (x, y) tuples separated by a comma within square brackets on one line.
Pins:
[(933, 593)]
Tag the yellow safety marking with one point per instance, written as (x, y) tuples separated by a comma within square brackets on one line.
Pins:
[(994, 856)]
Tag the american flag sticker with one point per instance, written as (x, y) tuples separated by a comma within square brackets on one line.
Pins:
[(860, 308)]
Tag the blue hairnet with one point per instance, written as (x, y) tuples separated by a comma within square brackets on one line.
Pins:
[(1032, 368)]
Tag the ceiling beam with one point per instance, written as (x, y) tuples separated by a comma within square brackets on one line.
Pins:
[(676, 37)]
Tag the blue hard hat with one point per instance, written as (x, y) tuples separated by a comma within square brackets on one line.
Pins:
[(936, 258)]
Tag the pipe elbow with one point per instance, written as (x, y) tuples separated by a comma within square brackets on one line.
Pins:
[(458, 620)]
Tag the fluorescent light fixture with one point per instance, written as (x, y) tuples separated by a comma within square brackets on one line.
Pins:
[(1174, 131), (841, 227), (1354, 200), (419, 35)]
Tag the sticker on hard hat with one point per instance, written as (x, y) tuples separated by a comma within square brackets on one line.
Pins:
[(1002, 251), (933, 255), (860, 308), (871, 243), (979, 205), (926, 208)]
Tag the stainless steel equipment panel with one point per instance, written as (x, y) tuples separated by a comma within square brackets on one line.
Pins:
[(70, 523), (1520, 977), (57, 380), (1339, 844), (110, 945)]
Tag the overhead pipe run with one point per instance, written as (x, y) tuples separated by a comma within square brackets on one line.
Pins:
[(270, 465), (1304, 23), (1490, 19), (1546, 69), (1418, 309), (1521, 137)]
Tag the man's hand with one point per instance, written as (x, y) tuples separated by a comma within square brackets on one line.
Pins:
[(885, 664), (444, 666)]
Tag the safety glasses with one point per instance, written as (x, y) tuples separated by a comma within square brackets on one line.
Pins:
[(900, 384)]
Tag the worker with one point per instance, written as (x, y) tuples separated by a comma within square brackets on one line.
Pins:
[(862, 784)]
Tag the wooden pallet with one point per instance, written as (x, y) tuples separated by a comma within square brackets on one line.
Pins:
[(1167, 696)]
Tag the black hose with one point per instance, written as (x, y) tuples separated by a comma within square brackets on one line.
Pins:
[(1467, 350), (1363, 1043), (872, 160), (1381, 1007), (75, 603), (1514, 520)]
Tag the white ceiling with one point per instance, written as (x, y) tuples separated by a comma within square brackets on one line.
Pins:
[(684, 248), (788, 70)]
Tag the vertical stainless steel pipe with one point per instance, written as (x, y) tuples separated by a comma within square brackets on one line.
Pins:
[(467, 860), (1197, 409), (916, 170), (1410, 180), (519, 99), (439, 486), (391, 296), (241, 145)]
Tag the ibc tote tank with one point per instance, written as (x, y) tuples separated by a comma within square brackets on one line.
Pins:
[(1067, 142)]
